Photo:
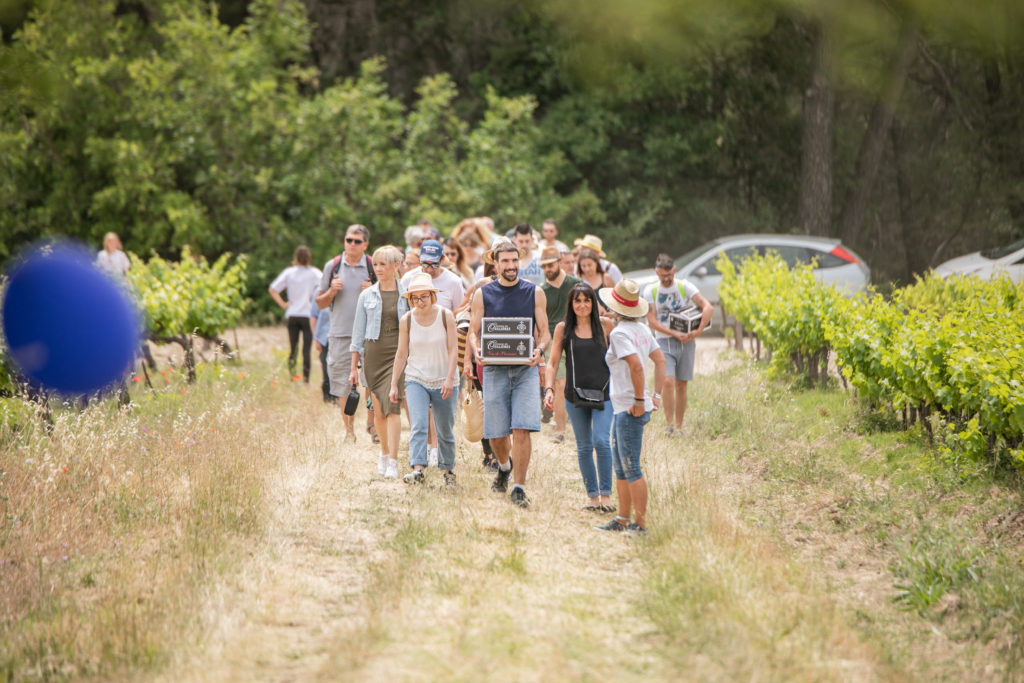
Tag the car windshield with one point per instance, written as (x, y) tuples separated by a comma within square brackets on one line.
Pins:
[(692, 255), (1000, 252)]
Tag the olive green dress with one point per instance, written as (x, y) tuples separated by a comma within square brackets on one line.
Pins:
[(379, 355)]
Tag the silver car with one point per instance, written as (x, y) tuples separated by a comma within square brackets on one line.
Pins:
[(834, 263), (1008, 260)]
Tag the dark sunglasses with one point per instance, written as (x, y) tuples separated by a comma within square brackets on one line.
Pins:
[(352, 240)]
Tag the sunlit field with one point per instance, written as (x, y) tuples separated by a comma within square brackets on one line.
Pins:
[(222, 531)]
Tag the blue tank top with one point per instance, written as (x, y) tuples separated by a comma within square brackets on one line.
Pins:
[(517, 301)]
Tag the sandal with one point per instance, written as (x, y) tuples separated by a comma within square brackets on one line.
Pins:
[(607, 508), (593, 508)]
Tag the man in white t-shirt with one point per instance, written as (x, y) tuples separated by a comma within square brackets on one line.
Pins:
[(549, 236), (668, 296), (529, 266), (450, 291)]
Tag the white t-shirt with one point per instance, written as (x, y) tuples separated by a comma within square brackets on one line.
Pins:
[(116, 263), (560, 245), (670, 300), (613, 271), (301, 284), (626, 339), (450, 291)]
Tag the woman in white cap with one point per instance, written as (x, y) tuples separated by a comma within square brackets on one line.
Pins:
[(428, 354), (630, 343)]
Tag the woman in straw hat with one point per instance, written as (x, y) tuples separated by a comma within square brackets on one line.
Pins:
[(630, 343), (428, 354), (375, 340), (594, 243), (589, 269)]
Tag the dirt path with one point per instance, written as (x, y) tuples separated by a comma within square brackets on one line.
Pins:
[(363, 578)]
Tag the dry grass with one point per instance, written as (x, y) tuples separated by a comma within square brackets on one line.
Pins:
[(246, 541), (113, 520)]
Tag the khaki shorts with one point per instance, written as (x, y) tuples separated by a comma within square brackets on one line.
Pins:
[(339, 365)]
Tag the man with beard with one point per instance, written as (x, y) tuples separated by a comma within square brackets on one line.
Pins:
[(556, 288), (511, 396)]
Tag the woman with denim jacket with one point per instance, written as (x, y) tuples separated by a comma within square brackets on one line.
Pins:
[(375, 340)]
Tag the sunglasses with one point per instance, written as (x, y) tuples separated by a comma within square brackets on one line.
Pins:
[(352, 240), (430, 266), (417, 298)]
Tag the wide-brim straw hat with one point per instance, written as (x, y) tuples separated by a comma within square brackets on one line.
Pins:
[(592, 242), (624, 298), (420, 282), (488, 256)]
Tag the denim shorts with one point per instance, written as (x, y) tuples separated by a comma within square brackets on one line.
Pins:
[(678, 358), (627, 442), (511, 399)]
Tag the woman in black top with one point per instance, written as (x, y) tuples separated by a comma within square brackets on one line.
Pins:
[(583, 334)]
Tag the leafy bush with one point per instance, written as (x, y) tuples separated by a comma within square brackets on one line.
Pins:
[(189, 298), (784, 308), (947, 352)]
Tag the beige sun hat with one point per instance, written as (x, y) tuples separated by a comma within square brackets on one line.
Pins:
[(420, 282), (592, 242), (488, 256), (549, 255), (624, 298)]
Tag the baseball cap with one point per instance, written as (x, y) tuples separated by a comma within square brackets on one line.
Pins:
[(431, 251)]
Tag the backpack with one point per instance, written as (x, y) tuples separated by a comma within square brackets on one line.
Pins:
[(336, 266), (654, 291)]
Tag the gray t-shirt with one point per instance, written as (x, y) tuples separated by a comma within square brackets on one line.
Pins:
[(343, 308)]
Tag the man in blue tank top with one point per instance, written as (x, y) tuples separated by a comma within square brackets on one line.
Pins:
[(511, 392)]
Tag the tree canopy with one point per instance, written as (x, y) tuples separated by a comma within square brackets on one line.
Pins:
[(252, 126)]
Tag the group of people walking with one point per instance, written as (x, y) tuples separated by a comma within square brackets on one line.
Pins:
[(393, 325)]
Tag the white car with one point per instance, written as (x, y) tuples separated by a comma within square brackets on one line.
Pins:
[(1008, 260), (834, 263)]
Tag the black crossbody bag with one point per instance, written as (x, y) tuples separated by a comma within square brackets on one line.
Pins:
[(585, 398)]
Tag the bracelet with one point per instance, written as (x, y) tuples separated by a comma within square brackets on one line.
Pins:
[(547, 389), (638, 400), (656, 395)]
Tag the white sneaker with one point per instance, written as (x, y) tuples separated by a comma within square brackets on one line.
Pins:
[(392, 470), (431, 457), (382, 463)]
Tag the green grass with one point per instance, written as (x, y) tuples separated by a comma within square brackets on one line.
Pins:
[(827, 472)]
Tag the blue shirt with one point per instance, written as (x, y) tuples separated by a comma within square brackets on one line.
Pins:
[(323, 323)]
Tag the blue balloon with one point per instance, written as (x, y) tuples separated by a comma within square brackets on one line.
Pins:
[(69, 327)]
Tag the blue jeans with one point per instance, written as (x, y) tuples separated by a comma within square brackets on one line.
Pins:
[(420, 400), (628, 433), (592, 428)]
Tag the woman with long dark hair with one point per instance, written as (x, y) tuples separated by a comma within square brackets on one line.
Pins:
[(456, 257), (583, 336)]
